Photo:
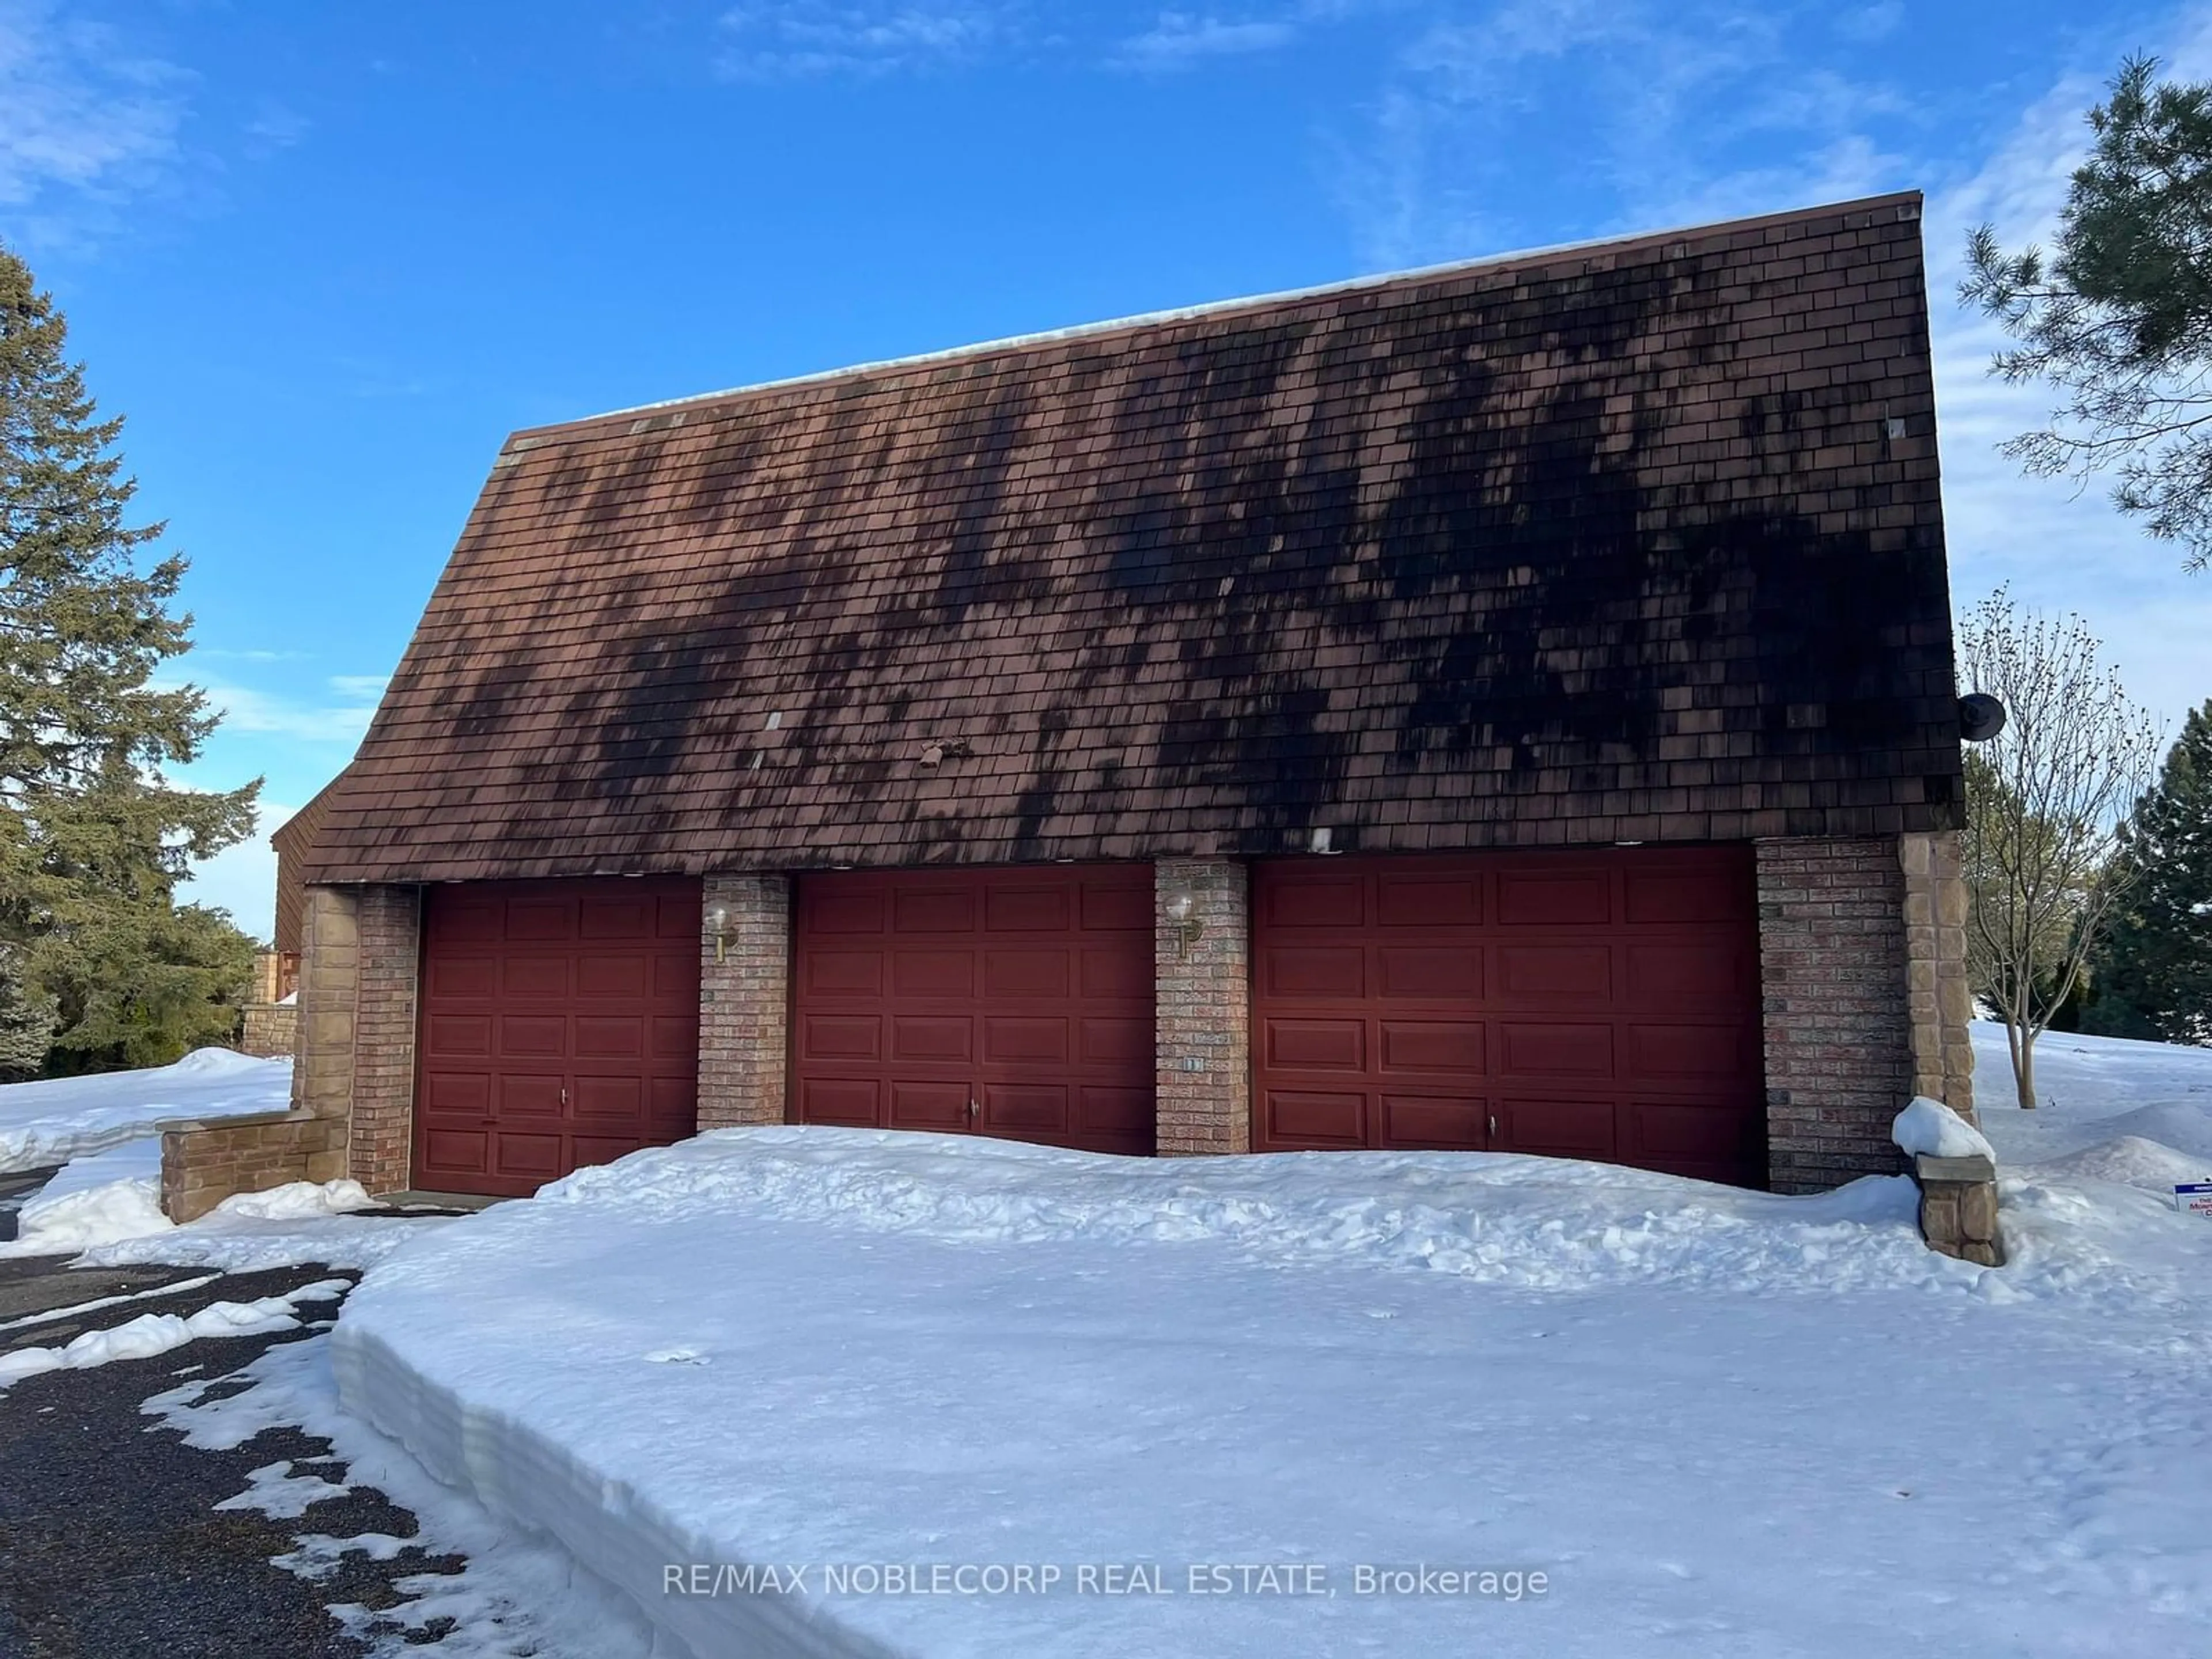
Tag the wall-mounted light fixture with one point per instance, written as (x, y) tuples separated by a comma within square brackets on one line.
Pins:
[(1182, 910), (718, 926)]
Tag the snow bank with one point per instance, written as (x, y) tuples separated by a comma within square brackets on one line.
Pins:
[(157, 1332), (53, 1122), (1722, 1423), (1929, 1128), (114, 1198)]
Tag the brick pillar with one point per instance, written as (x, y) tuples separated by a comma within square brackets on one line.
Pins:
[(1839, 1032), (359, 951), (744, 1003), (1938, 996), (1202, 1010)]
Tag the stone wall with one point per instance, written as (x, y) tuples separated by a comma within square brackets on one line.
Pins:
[(744, 999), (204, 1163), (1202, 1008), (1939, 999), (268, 1029), (1838, 1034)]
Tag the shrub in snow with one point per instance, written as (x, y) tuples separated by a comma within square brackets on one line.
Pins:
[(1929, 1128)]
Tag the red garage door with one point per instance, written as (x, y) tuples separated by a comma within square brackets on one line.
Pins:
[(1598, 1004), (560, 1027), (1014, 1002)]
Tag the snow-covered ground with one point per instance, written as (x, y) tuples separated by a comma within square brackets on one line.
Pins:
[(2120, 1111), (1095, 1405), (52, 1122)]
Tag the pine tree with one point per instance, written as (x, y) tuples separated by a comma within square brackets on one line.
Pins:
[(26, 1021), (2154, 977), (95, 836)]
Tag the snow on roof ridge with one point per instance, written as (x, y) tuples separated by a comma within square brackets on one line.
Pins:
[(1211, 307)]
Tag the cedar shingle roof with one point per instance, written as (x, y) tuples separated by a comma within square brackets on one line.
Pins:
[(1635, 541)]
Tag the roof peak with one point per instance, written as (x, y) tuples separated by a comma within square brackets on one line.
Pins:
[(1223, 308)]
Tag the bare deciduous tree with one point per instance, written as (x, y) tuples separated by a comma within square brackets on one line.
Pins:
[(2043, 800)]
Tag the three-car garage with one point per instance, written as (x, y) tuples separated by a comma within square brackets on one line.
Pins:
[(1599, 1004)]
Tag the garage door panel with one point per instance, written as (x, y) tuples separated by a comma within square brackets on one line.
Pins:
[(461, 1094), (576, 1005), (834, 910), (1404, 900), (523, 1156), (1027, 976), (1010, 1040), (1554, 897), (598, 1100), (1690, 974), (524, 977), (458, 1153), (1027, 909), (1329, 971), (540, 920), (844, 974), (933, 910), (599, 1037), (1026, 990), (450, 1035), (623, 916), (1315, 1117), (1115, 973), (531, 1036), (1559, 1126), (1324, 901), (1685, 1054), (1674, 892), (1431, 1045), (614, 977), (1025, 1109), (1530, 1048), (1122, 907), (1556, 974), (528, 1095), (1115, 1120), (1434, 1122), (602, 1149), (934, 1039), (856, 1103), (1318, 1045), (675, 1039), (1563, 996), (461, 976), (840, 1037), (1687, 1131), (945, 975), (1119, 1043), (1442, 972), (917, 1104)]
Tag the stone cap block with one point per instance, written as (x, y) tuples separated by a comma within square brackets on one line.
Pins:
[(1926, 1169)]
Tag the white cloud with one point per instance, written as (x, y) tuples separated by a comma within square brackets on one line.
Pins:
[(1179, 41), (340, 717), (83, 120), (798, 39)]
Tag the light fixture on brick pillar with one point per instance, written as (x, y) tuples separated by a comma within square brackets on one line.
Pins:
[(718, 926), (1182, 910)]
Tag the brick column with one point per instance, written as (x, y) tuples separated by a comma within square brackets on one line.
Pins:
[(388, 922), (744, 1003), (1938, 995), (360, 952), (1202, 1010), (1838, 1034)]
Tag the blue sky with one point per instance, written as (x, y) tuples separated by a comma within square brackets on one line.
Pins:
[(325, 257)]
